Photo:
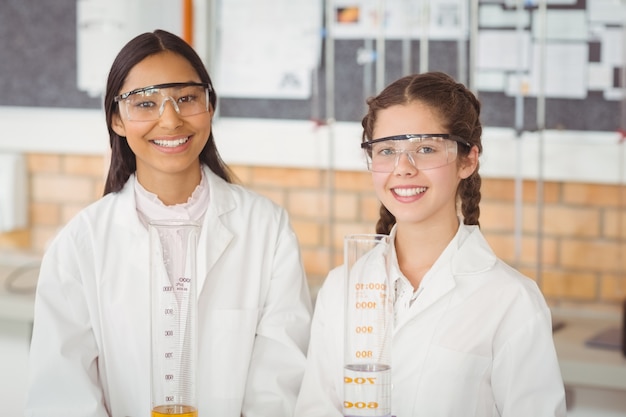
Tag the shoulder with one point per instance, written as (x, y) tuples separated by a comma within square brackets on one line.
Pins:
[(333, 288), (478, 266), (237, 199), (517, 284), (97, 219), (329, 300)]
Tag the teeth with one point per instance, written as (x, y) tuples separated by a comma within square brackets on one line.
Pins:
[(170, 143), (409, 192)]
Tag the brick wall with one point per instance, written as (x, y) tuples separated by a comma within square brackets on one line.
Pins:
[(582, 244)]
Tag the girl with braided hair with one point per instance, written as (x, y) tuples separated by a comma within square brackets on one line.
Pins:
[(472, 336)]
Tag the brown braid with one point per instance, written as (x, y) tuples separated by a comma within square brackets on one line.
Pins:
[(385, 222), (459, 110), (469, 194)]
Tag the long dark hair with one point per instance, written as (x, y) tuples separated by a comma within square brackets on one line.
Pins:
[(458, 108), (123, 162)]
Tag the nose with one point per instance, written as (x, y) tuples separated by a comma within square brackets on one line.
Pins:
[(165, 100), (169, 114), (405, 165)]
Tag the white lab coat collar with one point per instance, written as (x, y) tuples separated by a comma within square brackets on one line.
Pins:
[(473, 254), (467, 254), (469, 251), (214, 235)]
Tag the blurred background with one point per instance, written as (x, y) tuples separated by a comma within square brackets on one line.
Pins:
[(292, 77)]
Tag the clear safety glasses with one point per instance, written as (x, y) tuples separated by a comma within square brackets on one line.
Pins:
[(424, 151), (148, 103)]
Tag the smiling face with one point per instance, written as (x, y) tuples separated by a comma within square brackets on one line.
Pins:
[(166, 149), (412, 195)]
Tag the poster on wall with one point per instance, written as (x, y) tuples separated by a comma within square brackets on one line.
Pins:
[(399, 19), (268, 48), (105, 26), (566, 53)]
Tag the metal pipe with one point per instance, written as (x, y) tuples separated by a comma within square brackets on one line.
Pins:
[(425, 20), (212, 19), (330, 62), (519, 127), (473, 45), (406, 46), (330, 123), (541, 125), (621, 285), (406, 55), (188, 21), (461, 47), (380, 48), (368, 71)]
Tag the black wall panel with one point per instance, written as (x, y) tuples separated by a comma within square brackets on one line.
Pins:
[(38, 68)]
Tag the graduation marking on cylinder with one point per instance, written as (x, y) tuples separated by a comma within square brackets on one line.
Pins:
[(368, 327), (174, 353)]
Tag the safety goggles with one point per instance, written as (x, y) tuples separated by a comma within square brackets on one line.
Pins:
[(423, 150), (148, 103)]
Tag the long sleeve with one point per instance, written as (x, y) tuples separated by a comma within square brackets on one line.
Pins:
[(527, 369), (63, 369), (279, 352), (321, 395)]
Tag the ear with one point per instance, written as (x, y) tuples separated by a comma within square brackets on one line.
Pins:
[(469, 163), (118, 126)]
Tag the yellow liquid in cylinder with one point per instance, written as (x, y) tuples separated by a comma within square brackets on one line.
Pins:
[(174, 410)]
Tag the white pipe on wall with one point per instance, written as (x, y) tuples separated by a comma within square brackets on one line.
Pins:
[(381, 56), (424, 25), (541, 126)]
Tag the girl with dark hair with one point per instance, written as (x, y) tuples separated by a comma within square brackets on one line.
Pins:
[(472, 337), (90, 352)]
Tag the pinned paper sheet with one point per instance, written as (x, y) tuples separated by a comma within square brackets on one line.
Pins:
[(13, 192)]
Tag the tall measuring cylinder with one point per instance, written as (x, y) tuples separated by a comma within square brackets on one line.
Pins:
[(174, 316), (368, 327)]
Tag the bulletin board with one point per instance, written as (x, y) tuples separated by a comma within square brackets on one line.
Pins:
[(584, 49), (38, 55)]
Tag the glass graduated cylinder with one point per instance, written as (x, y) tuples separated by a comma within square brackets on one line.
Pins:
[(173, 246), (174, 410), (370, 323), (368, 327), (367, 390)]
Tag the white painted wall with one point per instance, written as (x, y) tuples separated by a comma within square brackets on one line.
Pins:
[(595, 157)]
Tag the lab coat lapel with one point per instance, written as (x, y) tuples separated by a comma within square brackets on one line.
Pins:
[(444, 283), (125, 282), (215, 235), (131, 235), (472, 255)]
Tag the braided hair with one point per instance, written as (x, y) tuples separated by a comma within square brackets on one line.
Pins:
[(459, 110)]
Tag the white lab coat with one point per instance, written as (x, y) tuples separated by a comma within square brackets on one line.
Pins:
[(90, 353), (477, 342)]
